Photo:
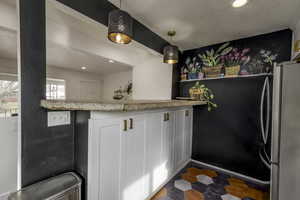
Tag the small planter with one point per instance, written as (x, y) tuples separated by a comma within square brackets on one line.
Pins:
[(183, 77), (232, 71), (200, 75), (193, 76), (212, 72), (197, 94)]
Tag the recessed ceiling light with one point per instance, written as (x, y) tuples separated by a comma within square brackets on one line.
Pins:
[(239, 3), (111, 61), (83, 68)]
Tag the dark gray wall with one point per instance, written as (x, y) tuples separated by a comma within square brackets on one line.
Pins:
[(45, 151), (81, 147), (230, 137), (49, 151)]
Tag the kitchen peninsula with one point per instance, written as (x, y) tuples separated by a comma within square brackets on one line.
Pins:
[(129, 148)]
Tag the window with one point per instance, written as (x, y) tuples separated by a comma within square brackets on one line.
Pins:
[(55, 89), (8, 95)]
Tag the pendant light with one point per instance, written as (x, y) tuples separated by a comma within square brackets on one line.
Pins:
[(171, 52), (120, 26)]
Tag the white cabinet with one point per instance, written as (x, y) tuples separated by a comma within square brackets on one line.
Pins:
[(133, 160), (168, 143), (132, 154), (104, 167), (153, 151), (183, 136)]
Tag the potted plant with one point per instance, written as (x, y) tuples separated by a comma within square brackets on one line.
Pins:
[(200, 74), (192, 68), (269, 59), (234, 60), (212, 61), (202, 93), (183, 74), (193, 73)]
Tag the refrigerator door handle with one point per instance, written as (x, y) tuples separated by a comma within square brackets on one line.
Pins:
[(268, 110), (262, 112), (267, 164)]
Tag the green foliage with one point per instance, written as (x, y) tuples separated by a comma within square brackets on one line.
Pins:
[(208, 96), (212, 58)]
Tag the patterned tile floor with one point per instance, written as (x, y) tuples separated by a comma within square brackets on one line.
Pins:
[(197, 183)]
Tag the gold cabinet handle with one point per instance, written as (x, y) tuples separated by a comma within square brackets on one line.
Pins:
[(168, 116), (125, 125), (165, 117), (187, 113), (130, 123)]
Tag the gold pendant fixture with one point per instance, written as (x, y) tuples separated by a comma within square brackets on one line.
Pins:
[(120, 26), (171, 55)]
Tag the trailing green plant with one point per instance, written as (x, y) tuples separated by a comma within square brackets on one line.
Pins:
[(207, 95), (212, 58)]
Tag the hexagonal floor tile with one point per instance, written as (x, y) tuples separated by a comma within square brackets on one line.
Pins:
[(188, 177), (229, 197), (205, 179), (235, 190), (194, 171), (193, 195), (183, 185)]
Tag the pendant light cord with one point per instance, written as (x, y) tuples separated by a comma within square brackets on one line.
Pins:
[(120, 4)]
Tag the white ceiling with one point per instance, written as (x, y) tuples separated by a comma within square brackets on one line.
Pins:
[(204, 22), (73, 41)]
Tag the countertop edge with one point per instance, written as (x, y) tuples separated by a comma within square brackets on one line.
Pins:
[(115, 107)]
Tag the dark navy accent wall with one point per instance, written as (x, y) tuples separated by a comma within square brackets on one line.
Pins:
[(229, 137)]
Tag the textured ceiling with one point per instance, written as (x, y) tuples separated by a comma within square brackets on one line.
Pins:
[(204, 22)]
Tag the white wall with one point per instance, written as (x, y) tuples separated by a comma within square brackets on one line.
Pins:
[(75, 80), (114, 81), (152, 79), (79, 85), (8, 66), (8, 154)]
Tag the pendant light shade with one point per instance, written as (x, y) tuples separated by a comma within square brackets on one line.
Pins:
[(120, 27), (171, 55)]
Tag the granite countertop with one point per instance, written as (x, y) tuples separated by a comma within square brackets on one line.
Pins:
[(116, 106)]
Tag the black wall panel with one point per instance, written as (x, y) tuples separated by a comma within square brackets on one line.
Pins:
[(229, 137), (45, 151), (81, 147)]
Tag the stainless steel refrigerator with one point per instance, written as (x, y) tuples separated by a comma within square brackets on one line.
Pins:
[(285, 145)]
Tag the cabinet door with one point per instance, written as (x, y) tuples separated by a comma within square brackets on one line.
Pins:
[(133, 160), (154, 166), (188, 133), (104, 159), (179, 138), (168, 145)]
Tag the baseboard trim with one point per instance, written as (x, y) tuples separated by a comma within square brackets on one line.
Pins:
[(257, 181), (172, 176)]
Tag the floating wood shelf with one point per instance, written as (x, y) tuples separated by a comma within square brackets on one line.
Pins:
[(241, 76)]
